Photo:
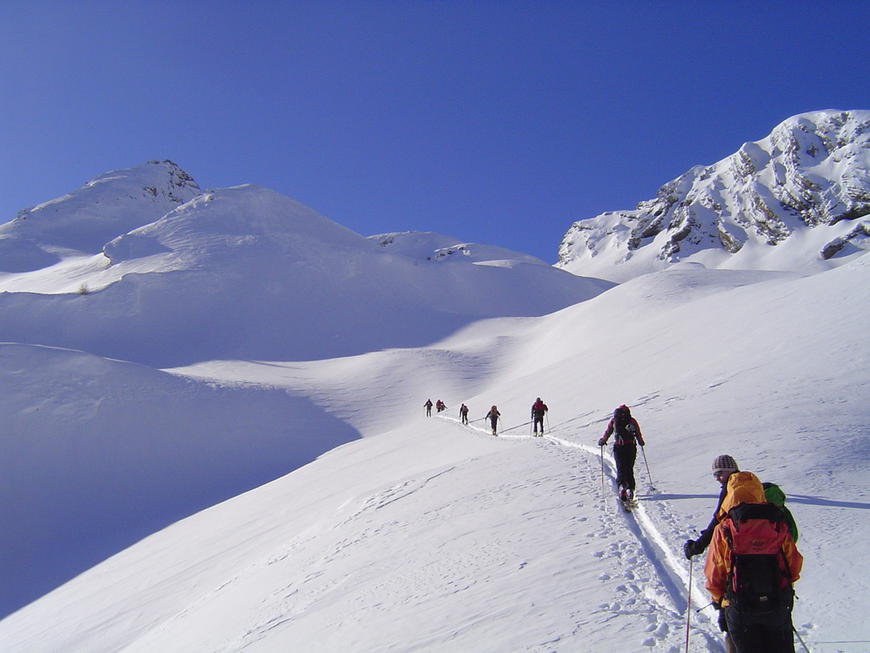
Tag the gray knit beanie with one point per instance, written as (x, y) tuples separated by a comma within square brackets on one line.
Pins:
[(724, 463)]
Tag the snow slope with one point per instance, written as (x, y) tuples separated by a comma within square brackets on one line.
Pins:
[(433, 536), (247, 273), (241, 272), (424, 535)]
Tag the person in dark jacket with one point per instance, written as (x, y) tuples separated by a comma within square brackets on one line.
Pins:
[(428, 406), (493, 416), (463, 413), (723, 467), (627, 436), (539, 409)]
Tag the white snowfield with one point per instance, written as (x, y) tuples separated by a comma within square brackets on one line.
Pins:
[(391, 531)]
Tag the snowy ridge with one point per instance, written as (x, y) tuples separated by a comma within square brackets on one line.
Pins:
[(84, 220), (278, 264), (810, 177)]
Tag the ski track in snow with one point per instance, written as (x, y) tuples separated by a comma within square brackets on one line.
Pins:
[(648, 555)]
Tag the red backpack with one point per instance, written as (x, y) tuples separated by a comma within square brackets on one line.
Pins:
[(759, 582)]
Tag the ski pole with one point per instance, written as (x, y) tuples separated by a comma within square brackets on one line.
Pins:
[(648, 475), (803, 643), (689, 604), (601, 450)]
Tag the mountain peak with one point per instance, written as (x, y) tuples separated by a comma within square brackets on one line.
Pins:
[(85, 219), (811, 173)]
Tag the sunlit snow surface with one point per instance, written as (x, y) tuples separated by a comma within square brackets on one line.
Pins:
[(390, 530)]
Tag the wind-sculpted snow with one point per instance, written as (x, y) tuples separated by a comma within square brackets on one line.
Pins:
[(247, 273), (86, 219), (809, 179)]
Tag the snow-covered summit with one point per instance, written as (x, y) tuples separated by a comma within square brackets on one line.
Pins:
[(806, 186), (86, 219), (301, 285)]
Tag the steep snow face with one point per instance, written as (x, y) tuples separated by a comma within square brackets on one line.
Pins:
[(86, 219), (811, 173)]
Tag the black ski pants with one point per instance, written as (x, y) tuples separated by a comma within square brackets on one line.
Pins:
[(749, 637), (625, 455), (538, 418)]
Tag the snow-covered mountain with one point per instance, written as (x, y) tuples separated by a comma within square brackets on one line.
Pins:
[(321, 290), (147, 270), (190, 414), (805, 187), (84, 220)]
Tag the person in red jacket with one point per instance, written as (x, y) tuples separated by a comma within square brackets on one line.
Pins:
[(627, 437), (539, 409)]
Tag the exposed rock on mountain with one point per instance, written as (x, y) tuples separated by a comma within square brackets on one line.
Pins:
[(86, 219), (811, 173)]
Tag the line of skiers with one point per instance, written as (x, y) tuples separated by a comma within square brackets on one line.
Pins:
[(752, 562), (539, 410), (440, 406)]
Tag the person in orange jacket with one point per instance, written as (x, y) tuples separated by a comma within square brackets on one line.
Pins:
[(752, 531)]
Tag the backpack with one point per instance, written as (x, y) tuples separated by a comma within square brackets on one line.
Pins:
[(623, 426), (759, 585), (774, 494)]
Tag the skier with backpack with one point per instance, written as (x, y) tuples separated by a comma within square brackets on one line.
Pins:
[(463, 414), (723, 467), (493, 416), (627, 436), (751, 566), (428, 406), (539, 409)]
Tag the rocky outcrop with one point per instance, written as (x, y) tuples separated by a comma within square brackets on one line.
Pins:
[(812, 170)]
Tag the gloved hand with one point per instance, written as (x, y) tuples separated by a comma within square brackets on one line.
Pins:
[(602, 442), (642, 443), (690, 548)]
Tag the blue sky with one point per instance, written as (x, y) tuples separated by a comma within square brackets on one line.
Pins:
[(496, 122)]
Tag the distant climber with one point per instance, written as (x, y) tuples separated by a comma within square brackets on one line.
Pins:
[(539, 409), (493, 416), (463, 413), (428, 406)]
